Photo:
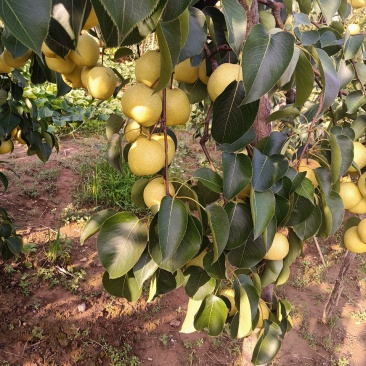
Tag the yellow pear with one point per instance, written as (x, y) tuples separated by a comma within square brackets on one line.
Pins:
[(350, 194), (155, 191), (356, 4), (171, 145), (202, 72), (361, 230), (18, 61), (147, 68), (263, 313), (222, 77), (186, 73), (360, 208), (6, 146), (178, 108), (354, 29), (353, 242), (4, 67), (60, 65), (308, 166), (359, 156), (141, 104), (47, 51), (361, 183), (86, 52), (146, 157), (229, 293), (73, 79), (279, 248), (101, 82), (133, 130)]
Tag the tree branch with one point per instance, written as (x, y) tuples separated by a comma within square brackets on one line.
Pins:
[(276, 10), (205, 137)]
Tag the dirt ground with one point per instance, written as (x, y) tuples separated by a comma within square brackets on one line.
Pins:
[(57, 313)]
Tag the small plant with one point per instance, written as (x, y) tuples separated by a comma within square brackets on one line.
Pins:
[(120, 357), (59, 248), (359, 315), (24, 284), (37, 332), (164, 339)]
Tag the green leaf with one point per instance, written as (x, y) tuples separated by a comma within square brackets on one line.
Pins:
[(229, 119), (272, 54), (236, 22), (244, 140), (187, 249), (324, 178), (121, 241), (249, 254), (172, 223), (173, 9), (346, 73), (272, 144), (271, 273), (211, 315), (310, 226), (95, 223), (215, 270), (333, 213), (196, 92), (125, 286), (192, 309), (237, 173), (219, 225), (14, 245), (355, 100), (282, 209), (267, 170), (198, 283), (284, 113), (4, 180), (329, 77), (209, 179), (27, 20), (302, 208), (342, 155), (246, 300), (263, 209), (241, 224), (122, 52), (329, 8), (306, 189), (144, 268), (114, 125), (114, 153), (268, 344), (352, 45), (137, 191), (197, 34), (163, 282)]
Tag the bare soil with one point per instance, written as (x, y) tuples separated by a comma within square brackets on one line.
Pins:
[(57, 313)]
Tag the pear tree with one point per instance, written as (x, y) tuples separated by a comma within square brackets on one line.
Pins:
[(282, 86)]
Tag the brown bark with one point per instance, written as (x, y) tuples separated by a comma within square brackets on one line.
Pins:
[(261, 127)]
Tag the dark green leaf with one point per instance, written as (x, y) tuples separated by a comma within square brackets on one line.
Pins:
[(352, 46), (172, 222), (282, 209), (283, 113), (237, 173), (310, 226), (272, 144), (302, 208), (122, 52), (354, 101), (196, 92), (333, 213), (114, 153), (137, 192), (324, 178), (144, 268), (342, 155), (271, 273), (306, 189), (241, 142), (95, 223), (163, 282), (211, 315), (216, 270), (209, 179), (304, 78), (198, 283), (263, 208), (14, 245), (125, 286), (114, 125), (121, 241), (272, 54), (4, 180), (174, 8), (329, 8)]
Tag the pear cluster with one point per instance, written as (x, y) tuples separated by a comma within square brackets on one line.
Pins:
[(8, 62), (355, 238), (354, 194)]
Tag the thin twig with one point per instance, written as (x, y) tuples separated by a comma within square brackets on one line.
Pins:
[(319, 251), (205, 137)]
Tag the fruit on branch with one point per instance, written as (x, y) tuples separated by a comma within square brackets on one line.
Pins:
[(279, 248), (263, 313), (361, 183), (101, 82), (133, 130), (16, 62), (354, 29), (146, 157), (202, 72), (86, 52), (85, 72), (4, 67), (186, 73), (308, 166), (147, 68), (60, 65), (267, 19), (360, 208), (229, 293), (141, 104), (361, 230), (155, 191), (353, 242), (178, 108), (6, 146), (91, 21), (73, 79), (222, 77), (350, 194), (359, 156), (356, 4), (171, 145)]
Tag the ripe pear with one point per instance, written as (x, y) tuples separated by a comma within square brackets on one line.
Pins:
[(47, 51), (146, 157), (279, 248), (357, 4), (155, 191), (222, 77), (85, 72), (86, 52), (133, 130), (350, 194), (101, 82), (141, 104), (178, 108), (18, 61), (202, 72), (354, 29), (60, 65), (361, 183), (6, 146), (361, 230), (267, 19), (360, 208), (91, 21), (186, 73), (171, 145), (4, 67), (308, 166), (353, 242), (147, 68), (229, 293), (73, 79), (359, 156)]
